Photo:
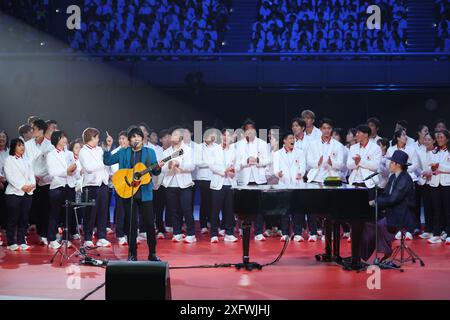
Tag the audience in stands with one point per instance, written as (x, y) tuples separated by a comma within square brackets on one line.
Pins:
[(442, 13)]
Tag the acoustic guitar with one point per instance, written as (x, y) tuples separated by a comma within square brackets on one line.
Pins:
[(126, 185)]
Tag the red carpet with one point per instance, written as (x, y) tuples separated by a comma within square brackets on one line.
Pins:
[(296, 276)]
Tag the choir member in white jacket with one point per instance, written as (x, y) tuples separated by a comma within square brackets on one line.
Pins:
[(440, 189), (60, 192), (4, 153), (21, 184), (374, 125), (223, 167), (75, 181), (178, 183), (36, 151), (95, 183), (202, 155), (298, 127), (425, 155), (325, 159), (289, 165), (310, 130), (399, 142), (252, 158)]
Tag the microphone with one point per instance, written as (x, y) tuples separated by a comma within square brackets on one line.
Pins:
[(371, 176), (134, 145)]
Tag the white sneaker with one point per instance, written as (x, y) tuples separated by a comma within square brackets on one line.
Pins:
[(177, 238), (123, 241), (214, 240), (109, 231), (241, 232), (319, 232), (88, 244), (54, 245), (267, 233), (443, 235), (222, 233), (398, 236), (43, 241), (284, 238), (349, 239), (13, 247), (24, 247), (260, 237), (408, 236), (190, 239), (346, 235), (76, 236), (204, 231), (142, 236), (322, 238), (169, 229), (103, 243), (160, 235), (230, 238), (426, 235), (434, 240), (298, 238), (278, 233), (312, 238), (447, 241)]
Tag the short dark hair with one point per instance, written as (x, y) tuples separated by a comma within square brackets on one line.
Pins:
[(340, 133), (40, 124), (186, 126), (248, 122), (123, 133), (89, 133), (384, 142), (286, 134), (299, 121), (364, 128), (352, 130), (440, 120), (175, 128), (49, 122), (24, 128), (143, 124), (326, 121), (74, 142), (163, 132), (375, 121), (403, 123), (14, 143), (133, 130), (397, 135), (32, 119), (56, 136)]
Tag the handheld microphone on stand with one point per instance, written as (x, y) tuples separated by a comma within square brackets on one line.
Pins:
[(371, 176)]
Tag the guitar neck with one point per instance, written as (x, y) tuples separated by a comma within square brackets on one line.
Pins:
[(153, 166)]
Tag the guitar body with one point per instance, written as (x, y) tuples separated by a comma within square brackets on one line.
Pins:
[(123, 180)]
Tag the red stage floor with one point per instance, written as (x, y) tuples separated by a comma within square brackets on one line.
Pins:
[(296, 276)]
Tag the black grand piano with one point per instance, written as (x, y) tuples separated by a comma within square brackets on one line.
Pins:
[(337, 205)]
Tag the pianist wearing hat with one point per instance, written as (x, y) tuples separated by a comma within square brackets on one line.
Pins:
[(396, 205)]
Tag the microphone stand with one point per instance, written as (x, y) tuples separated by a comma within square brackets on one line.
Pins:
[(131, 205)]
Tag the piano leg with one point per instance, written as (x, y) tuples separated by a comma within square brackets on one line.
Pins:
[(327, 256), (355, 262), (337, 242), (246, 264)]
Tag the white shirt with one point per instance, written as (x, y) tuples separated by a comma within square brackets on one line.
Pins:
[(95, 173), (37, 154), (375, 139), (384, 172), (57, 168), (18, 173), (157, 180), (443, 158), (291, 164), (3, 155), (220, 160), (252, 173), (412, 159), (332, 149), (75, 180), (315, 134), (202, 159), (194, 150), (369, 164), (183, 179)]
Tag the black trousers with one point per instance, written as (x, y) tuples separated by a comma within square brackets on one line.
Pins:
[(40, 209), (423, 197), (205, 202), (108, 217), (222, 200), (18, 213), (440, 202), (159, 204), (119, 217), (58, 197), (131, 221), (96, 215), (3, 208), (179, 206), (294, 221)]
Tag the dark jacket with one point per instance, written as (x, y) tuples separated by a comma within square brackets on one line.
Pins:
[(400, 203), (123, 158)]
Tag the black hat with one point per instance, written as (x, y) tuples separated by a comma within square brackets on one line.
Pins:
[(400, 157)]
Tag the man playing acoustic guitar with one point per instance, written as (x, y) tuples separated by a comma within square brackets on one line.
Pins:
[(127, 158)]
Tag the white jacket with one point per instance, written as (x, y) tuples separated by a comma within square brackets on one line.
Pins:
[(37, 154), (290, 164), (94, 171), (370, 163), (443, 158), (157, 180), (316, 149), (316, 134), (57, 168), (75, 180), (202, 156), (3, 155), (383, 178), (219, 161), (411, 150), (425, 159), (18, 172), (257, 149), (184, 178)]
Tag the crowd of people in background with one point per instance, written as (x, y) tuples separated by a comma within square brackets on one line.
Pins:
[(42, 168), (442, 14), (328, 26), (140, 26)]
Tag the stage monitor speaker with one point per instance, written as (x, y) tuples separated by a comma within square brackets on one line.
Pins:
[(137, 280)]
